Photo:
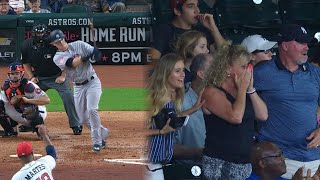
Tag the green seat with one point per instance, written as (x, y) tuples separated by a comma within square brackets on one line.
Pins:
[(74, 8)]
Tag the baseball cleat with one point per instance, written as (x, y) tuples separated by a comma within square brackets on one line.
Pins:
[(96, 148), (10, 134), (77, 130)]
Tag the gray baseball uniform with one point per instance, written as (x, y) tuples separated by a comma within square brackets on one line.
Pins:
[(87, 88)]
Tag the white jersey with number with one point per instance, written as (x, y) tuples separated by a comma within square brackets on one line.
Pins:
[(82, 72), (40, 169)]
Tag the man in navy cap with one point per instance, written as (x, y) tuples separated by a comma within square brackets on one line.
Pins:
[(290, 86)]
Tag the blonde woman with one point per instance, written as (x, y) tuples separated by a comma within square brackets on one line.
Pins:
[(190, 44), (230, 108), (166, 90)]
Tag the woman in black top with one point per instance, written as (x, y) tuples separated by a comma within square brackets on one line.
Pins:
[(230, 108)]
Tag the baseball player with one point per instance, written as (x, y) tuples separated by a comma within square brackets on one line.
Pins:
[(36, 169), (37, 55), (75, 60), (23, 100)]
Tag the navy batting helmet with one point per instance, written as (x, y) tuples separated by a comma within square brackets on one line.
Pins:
[(56, 35)]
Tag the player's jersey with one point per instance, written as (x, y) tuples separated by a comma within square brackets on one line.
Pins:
[(85, 70), (27, 88), (40, 169)]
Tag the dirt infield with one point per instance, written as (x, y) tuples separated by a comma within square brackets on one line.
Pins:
[(75, 159)]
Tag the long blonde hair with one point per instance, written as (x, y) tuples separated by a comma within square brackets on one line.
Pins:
[(187, 42), (159, 94), (226, 55)]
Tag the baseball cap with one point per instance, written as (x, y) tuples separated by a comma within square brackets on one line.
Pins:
[(24, 148), (176, 3), (290, 32), (257, 42)]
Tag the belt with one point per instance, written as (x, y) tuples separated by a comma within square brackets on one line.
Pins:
[(84, 82)]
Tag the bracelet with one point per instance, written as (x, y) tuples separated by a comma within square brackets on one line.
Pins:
[(251, 92)]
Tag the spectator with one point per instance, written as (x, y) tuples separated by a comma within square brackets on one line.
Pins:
[(35, 7), (47, 163), (166, 89), (17, 5), (189, 140), (55, 5), (230, 108), (5, 8), (186, 17), (95, 6), (268, 164), (190, 44), (259, 47), (117, 6), (291, 92)]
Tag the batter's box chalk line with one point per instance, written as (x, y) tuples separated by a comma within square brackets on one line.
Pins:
[(141, 161)]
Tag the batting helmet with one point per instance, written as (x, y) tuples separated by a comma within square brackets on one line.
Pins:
[(56, 35), (15, 67)]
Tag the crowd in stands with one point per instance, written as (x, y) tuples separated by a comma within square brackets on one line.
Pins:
[(14, 7), (253, 106)]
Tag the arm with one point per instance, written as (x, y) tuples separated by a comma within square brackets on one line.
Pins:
[(218, 104), (60, 79), (209, 23), (42, 100), (259, 107), (42, 130)]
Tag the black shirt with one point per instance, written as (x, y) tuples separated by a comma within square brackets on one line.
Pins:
[(41, 59), (230, 142), (165, 36)]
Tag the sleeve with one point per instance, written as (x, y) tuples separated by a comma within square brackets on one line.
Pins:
[(86, 48), (161, 40), (32, 90), (60, 59), (49, 160)]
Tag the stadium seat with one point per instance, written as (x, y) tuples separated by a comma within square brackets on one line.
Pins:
[(73, 8), (300, 11), (232, 13)]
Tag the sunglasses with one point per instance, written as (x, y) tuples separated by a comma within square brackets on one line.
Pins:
[(273, 156), (264, 51)]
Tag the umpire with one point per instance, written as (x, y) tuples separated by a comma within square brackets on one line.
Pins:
[(37, 59)]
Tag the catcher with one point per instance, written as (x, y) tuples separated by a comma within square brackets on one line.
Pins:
[(23, 100)]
